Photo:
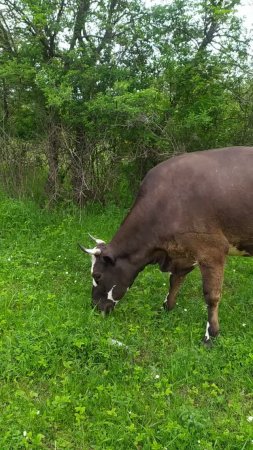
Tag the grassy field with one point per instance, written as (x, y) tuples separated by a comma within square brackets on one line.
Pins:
[(65, 381)]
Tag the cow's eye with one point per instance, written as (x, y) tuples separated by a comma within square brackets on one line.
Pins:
[(96, 276)]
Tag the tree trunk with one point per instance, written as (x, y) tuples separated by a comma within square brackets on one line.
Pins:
[(79, 167), (5, 107), (53, 181)]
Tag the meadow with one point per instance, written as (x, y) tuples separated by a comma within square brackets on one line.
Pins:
[(138, 379)]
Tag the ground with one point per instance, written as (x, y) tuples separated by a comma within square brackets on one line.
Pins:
[(139, 379)]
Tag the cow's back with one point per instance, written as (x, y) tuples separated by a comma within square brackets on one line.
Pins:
[(203, 191)]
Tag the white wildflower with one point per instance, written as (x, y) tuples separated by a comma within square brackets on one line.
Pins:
[(157, 376), (250, 419), (24, 433), (118, 343)]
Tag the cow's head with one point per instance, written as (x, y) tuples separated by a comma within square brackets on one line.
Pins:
[(111, 276)]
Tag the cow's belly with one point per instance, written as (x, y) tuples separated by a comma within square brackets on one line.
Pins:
[(241, 250)]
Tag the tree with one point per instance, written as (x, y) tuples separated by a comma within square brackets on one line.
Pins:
[(107, 85)]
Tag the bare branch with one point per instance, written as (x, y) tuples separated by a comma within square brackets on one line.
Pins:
[(210, 33), (80, 19), (6, 40), (108, 34)]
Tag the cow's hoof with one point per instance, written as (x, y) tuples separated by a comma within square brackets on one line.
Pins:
[(210, 334), (208, 343), (167, 306)]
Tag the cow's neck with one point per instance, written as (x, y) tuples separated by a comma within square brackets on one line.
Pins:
[(135, 238)]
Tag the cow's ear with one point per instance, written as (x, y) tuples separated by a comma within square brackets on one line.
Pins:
[(108, 257)]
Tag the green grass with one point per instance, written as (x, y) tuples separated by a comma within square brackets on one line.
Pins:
[(65, 384)]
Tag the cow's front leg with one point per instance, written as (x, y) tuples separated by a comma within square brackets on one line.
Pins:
[(176, 280), (212, 278), (175, 283)]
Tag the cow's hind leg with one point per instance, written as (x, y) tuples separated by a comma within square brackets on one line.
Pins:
[(176, 280), (212, 277)]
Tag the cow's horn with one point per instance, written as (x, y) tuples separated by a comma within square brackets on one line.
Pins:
[(91, 251), (98, 241)]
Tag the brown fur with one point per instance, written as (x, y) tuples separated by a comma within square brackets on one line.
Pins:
[(190, 209)]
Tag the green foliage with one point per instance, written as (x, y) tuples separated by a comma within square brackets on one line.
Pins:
[(66, 384), (108, 82), (56, 91), (134, 116)]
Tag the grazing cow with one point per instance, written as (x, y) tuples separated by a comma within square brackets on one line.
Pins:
[(191, 210)]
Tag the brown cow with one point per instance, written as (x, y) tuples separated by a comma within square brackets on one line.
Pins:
[(193, 209)]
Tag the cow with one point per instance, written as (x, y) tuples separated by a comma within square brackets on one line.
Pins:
[(191, 210)]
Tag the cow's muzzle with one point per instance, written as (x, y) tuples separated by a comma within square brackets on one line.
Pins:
[(104, 306)]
